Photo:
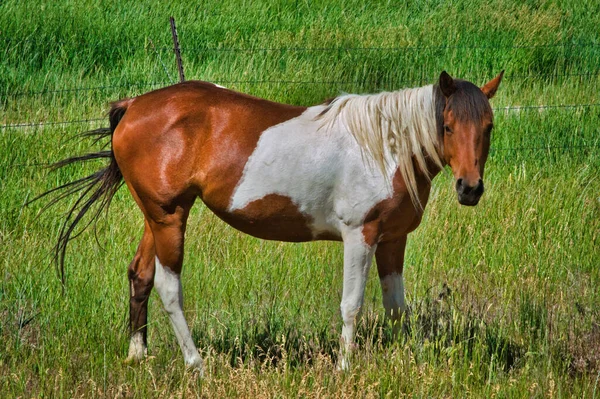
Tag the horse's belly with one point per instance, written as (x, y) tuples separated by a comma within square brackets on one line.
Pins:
[(276, 217)]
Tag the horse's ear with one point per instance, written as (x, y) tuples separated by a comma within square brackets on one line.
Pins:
[(489, 89), (447, 84)]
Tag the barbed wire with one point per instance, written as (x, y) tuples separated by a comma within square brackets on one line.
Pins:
[(377, 83), (289, 82), (43, 124), (387, 48), (496, 109), (168, 47), (87, 88), (542, 107), (545, 148), (524, 76)]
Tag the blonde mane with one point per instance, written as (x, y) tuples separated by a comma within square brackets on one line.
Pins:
[(399, 125)]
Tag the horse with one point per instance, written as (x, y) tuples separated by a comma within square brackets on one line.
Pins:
[(356, 169)]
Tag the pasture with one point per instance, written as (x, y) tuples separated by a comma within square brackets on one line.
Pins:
[(504, 297)]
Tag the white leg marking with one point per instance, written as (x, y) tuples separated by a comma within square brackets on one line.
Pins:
[(357, 262), (168, 286), (392, 288), (137, 349)]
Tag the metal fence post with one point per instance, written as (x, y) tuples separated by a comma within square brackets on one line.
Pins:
[(176, 50)]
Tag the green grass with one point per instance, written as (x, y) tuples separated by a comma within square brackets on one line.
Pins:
[(504, 297)]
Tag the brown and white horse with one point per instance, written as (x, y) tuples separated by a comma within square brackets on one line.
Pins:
[(357, 169)]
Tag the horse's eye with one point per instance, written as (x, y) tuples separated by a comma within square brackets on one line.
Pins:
[(447, 129)]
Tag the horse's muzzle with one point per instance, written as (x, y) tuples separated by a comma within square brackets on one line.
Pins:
[(467, 194)]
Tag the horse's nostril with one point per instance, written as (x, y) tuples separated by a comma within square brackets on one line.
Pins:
[(459, 185), (479, 188), (464, 188)]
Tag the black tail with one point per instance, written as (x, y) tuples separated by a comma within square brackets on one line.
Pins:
[(99, 187)]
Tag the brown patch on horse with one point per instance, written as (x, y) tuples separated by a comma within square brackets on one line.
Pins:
[(272, 217), (395, 217), (390, 258), (141, 276), (217, 127)]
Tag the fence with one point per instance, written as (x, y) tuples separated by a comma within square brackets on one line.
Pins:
[(583, 77)]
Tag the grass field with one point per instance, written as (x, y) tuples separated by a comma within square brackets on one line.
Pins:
[(504, 297)]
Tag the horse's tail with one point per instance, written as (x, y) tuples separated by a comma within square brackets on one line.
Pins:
[(99, 187)]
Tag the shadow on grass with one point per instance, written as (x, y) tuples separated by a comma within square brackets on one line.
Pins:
[(438, 323), (271, 341), (435, 321), (435, 329)]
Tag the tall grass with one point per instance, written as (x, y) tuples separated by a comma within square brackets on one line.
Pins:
[(504, 299)]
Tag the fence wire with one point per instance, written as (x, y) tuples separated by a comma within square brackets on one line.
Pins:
[(168, 47), (496, 109), (592, 74), (333, 49), (548, 76), (387, 49)]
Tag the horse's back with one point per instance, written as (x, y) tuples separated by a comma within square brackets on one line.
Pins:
[(191, 138)]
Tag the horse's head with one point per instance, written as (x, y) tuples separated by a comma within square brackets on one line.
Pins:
[(467, 124)]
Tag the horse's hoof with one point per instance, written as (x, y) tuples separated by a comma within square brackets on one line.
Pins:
[(131, 360), (343, 365), (135, 357), (137, 349), (196, 366)]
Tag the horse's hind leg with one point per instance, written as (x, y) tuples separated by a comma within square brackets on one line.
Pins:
[(141, 281), (169, 230), (390, 264)]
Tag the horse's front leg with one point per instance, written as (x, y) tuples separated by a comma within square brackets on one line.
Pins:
[(357, 262), (390, 264)]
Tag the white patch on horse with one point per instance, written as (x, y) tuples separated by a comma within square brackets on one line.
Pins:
[(322, 171), (168, 286), (399, 125)]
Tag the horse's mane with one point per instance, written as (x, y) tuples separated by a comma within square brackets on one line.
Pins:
[(399, 126)]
